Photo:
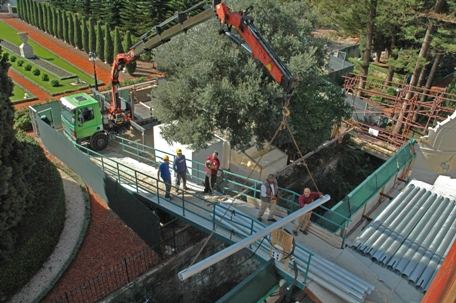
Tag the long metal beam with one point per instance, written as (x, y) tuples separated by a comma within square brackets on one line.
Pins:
[(198, 267)]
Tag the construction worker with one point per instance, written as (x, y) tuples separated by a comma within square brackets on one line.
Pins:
[(163, 172), (212, 166), (306, 198), (180, 167), (269, 195)]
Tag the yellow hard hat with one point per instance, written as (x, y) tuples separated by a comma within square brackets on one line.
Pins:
[(165, 158), (179, 151)]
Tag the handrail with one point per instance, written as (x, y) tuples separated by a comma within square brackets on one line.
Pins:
[(136, 180), (231, 182)]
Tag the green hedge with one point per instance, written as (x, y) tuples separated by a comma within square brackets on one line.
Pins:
[(39, 231)]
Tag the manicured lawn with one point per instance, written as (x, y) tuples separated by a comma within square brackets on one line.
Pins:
[(10, 34), (18, 93)]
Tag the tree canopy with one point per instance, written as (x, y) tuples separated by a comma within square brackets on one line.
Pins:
[(215, 87), (15, 163)]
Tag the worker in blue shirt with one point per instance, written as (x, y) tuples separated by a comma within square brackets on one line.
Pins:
[(180, 167), (163, 172)]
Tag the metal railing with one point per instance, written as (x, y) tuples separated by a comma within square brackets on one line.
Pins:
[(230, 183), (131, 269)]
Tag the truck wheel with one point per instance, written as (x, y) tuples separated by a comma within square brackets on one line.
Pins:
[(99, 141)]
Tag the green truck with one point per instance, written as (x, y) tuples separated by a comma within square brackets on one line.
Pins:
[(86, 120), (82, 121)]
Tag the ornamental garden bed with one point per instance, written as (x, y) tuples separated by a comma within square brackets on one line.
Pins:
[(69, 77), (19, 94)]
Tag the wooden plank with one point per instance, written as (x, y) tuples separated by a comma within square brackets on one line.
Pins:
[(325, 235), (283, 239)]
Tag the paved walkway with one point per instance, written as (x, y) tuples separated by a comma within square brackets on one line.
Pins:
[(77, 218), (69, 53)]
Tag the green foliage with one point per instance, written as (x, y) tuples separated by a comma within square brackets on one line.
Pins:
[(108, 46), (13, 58), (77, 32), (14, 165), (71, 29), (215, 87), (85, 35), (45, 77), (36, 71), (42, 222), (391, 91), (20, 62), (55, 83), (61, 28), (22, 120), (131, 67), (65, 28), (129, 82), (118, 49), (92, 37), (100, 42), (28, 67)]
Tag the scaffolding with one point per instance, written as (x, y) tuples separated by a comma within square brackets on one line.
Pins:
[(392, 120)]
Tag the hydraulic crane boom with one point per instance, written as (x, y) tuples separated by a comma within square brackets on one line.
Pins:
[(163, 32)]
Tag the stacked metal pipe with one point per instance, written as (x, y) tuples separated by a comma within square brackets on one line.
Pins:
[(323, 272), (412, 235)]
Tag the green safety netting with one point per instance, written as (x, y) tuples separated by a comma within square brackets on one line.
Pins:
[(370, 187)]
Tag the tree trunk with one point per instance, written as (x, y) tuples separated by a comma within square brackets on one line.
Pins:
[(429, 81), (422, 73), (423, 53), (389, 77), (367, 49)]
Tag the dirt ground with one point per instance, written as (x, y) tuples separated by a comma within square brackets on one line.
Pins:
[(334, 40)]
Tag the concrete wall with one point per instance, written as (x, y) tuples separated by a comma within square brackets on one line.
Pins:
[(436, 152), (208, 286), (164, 147)]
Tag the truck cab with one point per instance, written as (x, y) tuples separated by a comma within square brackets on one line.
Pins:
[(82, 120)]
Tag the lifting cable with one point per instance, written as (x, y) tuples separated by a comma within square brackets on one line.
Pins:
[(283, 124)]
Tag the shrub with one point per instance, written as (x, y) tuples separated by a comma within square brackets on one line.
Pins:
[(54, 83), (13, 58), (20, 62), (45, 77), (391, 91), (22, 120), (28, 67), (36, 71)]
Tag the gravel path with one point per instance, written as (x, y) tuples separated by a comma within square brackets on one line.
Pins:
[(71, 238)]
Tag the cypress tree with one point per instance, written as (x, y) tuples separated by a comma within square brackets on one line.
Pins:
[(27, 11), (100, 43), (64, 17), (49, 21), (58, 15), (39, 16), (77, 32), (71, 29), (108, 46), (35, 13), (14, 165), (55, 21), (20, 13), (92, 36), (85, 35), (118, 49), (44, 16), (128, 43)]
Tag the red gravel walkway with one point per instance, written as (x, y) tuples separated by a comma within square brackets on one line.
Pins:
[(40, 94), (67, 52)]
